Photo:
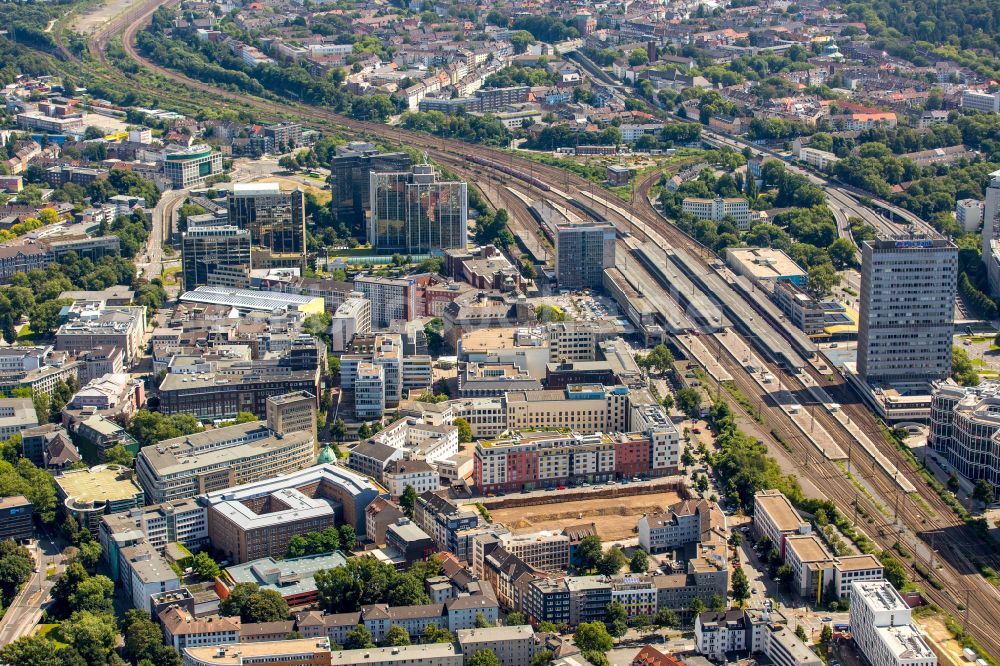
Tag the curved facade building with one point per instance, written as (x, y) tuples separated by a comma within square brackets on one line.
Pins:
[(965, 429)]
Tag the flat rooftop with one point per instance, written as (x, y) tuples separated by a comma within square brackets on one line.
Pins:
[(103, 483), (858, 562), (405, 654), (808, 548), (265, 651), (880, 595), (764, 263), (905, 642), (780, 510), (248, 299)]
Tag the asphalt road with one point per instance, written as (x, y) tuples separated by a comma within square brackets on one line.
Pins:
[(26, 608)]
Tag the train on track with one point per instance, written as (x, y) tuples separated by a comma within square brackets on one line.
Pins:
[(510, 171)]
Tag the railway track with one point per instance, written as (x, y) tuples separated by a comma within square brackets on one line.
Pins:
[(980, 616), (957, 543)]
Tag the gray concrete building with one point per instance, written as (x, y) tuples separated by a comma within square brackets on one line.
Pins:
[(583, 251), (907, 309)]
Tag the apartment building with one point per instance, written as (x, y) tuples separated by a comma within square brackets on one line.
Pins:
[(529, 460), (391, 299), (204, 462), (444, 521), (296, 652), (679, 525), (513, 645), (984, 102), (382, 364), (182, 630), (883, 627), (144, 572), (121, 327), (717, 209)]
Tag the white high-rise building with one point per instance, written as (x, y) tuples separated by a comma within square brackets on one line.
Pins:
[(883, 627), (907, 309), (991, 242)]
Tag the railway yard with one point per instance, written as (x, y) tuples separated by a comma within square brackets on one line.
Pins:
[(715, 317)]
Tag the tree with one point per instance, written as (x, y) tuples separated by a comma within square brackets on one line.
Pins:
[(93, 594), (338, 429), (697, 607), (45, 316), (612, 562), (205, 566), (593, 637), (825, 637), (843, 254), (39, 651), (735, 539), (953, 483), (395, 635), (639, 563), (91, 634), (588, 552), (541, 658), (143, 637), (983, 492), (481, 621), (485, 657), (119, 455), (252, 604), (800, 631), (822, 279), (596, 658), (717, 603), (407, 590), (358, 638), (435, 634), (516, 618), (348, 537), (89, 554), (616, 619), (408, 501), (741, 586), (666, 618), (689, 401), (464, 429)]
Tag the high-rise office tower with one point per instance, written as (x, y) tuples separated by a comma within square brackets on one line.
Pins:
[(583, 251), (991, 221), (350, 172), (415, 213), (276, 220), (216, 255), (907, 308)]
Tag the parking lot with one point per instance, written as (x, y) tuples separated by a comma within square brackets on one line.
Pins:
[(580, 305)]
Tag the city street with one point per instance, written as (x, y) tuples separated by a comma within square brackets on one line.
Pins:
[(26, 609)]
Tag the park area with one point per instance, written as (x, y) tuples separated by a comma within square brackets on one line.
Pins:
[(615, 518)]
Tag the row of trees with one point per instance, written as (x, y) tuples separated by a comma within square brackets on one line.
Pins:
[(326, 541), (365, 580)]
